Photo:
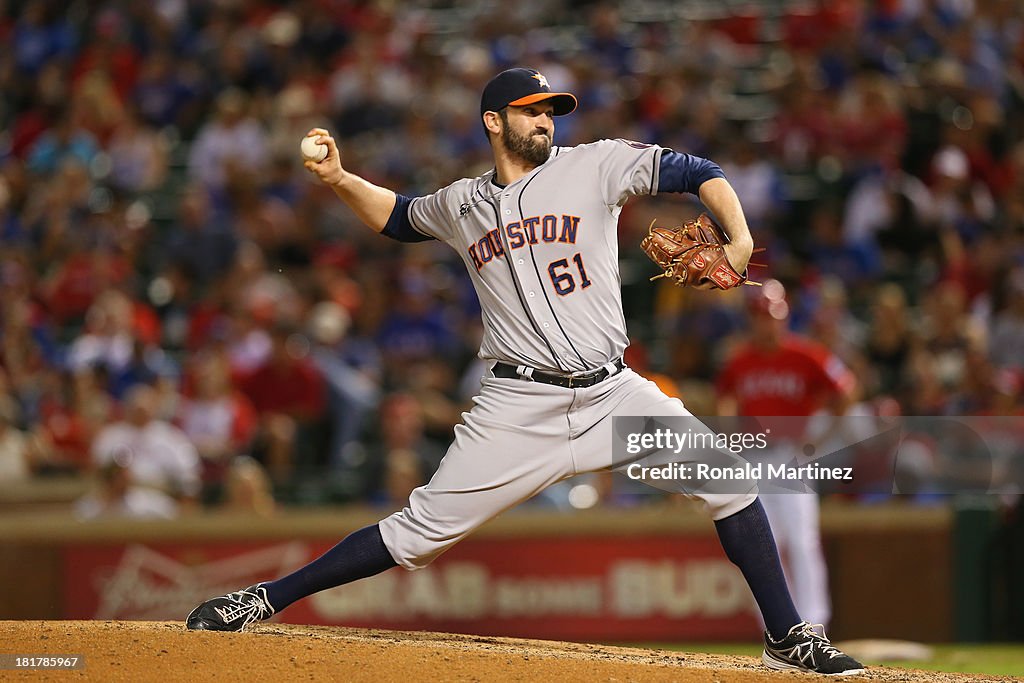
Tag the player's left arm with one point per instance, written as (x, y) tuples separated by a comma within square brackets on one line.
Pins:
[(632, 168), (680, 172), (717, 194)]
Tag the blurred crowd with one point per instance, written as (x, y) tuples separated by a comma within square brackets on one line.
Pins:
[(187, 317)]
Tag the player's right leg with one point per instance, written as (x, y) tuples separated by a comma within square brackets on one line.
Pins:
[(794, 517), (513, 445), (740, 520)]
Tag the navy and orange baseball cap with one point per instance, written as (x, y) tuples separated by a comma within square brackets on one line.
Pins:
[(520, 87)]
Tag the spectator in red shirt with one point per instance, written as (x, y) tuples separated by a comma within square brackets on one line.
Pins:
[(781, 374), (289, 395)]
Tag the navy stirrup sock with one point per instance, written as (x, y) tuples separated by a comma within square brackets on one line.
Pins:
[(747, 540), (359, 555)]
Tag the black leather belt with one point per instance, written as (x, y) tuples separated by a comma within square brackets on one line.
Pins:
[(580, 380)]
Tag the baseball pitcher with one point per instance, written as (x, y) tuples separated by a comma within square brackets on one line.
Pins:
[(538, 235)]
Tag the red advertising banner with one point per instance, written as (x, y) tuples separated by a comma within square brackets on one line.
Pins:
[(577, 588)]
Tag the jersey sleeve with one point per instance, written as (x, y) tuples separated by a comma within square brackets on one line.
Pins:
[(679, 172), (434, 214), (627, 169), (399, 227)]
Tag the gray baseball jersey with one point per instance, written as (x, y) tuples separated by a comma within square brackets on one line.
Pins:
[(543, 252), (543, 255)]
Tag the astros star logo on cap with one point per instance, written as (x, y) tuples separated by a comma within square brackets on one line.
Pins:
[(540, 79)]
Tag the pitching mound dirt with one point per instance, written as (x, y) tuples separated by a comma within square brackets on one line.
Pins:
[(165, 651)]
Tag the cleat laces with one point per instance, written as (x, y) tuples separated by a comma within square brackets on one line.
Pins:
[(822, 641), (245, 604)]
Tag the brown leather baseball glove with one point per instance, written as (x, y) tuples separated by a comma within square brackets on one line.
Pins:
[(692, 254)]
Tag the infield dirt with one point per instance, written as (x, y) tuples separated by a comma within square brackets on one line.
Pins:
[(165, 651)]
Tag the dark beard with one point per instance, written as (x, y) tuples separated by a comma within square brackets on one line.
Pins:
[(526, 148)]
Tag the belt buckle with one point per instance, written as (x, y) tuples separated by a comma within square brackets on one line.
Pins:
[(577, 380), (585, 377)]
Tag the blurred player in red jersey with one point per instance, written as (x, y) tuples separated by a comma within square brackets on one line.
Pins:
[(779, 373)]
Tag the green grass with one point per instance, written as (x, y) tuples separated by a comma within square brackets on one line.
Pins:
[(1001, 660), (994, 660)]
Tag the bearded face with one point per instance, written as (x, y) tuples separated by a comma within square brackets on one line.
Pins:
[(533, 147)]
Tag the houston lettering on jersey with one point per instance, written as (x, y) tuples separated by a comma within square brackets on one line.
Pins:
[(532, 230)]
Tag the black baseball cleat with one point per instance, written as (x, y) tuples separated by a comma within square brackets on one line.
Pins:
[(803, 649), (231, 612)]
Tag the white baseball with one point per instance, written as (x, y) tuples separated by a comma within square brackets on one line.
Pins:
[(313, 150)]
